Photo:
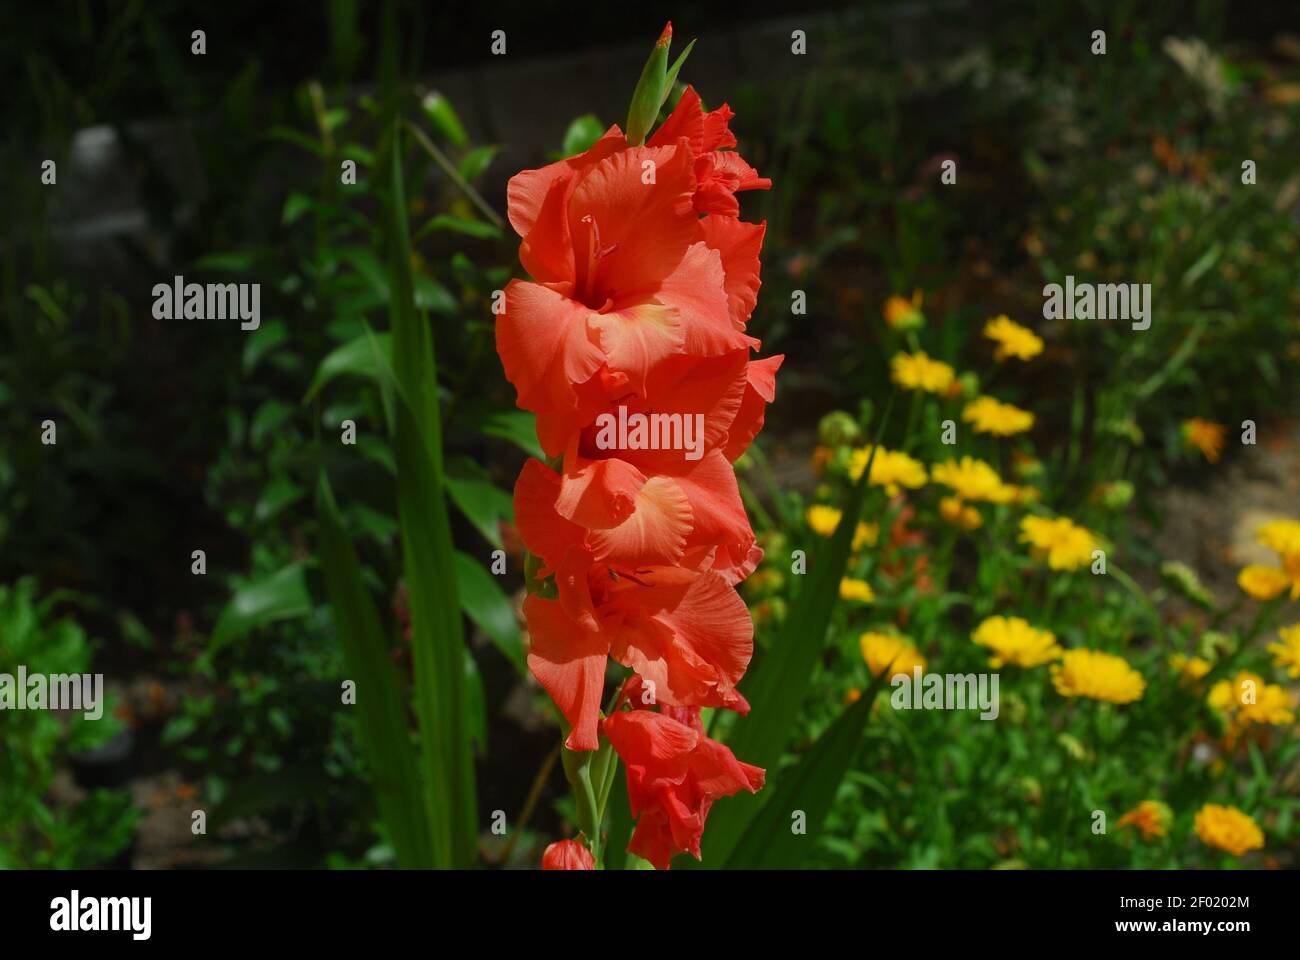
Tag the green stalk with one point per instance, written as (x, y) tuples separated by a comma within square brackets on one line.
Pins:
[(577, 768), (438, 646)]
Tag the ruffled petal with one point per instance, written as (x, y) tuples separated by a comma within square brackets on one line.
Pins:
[(697, 290), (654, 533), (693, 643), (545, 345), (542, 529), (720, 518), (537, 205), (685, 122), (528, 190), (738, 244), (630, 232), (569, 661), (760, 390), (689, 392), (637, 338), (599, 494)]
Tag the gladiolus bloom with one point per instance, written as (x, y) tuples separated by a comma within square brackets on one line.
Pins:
[(567, 855), (628, 343), (674, 773)]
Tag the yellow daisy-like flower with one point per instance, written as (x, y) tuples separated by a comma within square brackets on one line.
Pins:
[(1098, 675), (1291, 567), (916, 371), (1281, 536), (1064, 544), (1189, 669), (1228, 829), (973, 479), (822, 519), (1151, 817), (1013, 642), (890, 469), (881, 650), (993, 416), (1262, 583), (1204, 435), (960, 514), (1012, 339), (865, 536), (1247, 699), (903, 314), (1286, 654), (860, 590)]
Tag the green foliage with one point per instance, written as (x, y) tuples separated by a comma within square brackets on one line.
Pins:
[(36, 832)]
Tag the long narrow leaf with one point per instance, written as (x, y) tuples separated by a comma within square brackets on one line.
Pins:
[(380, 702), (487, 605), (808, 789), (777, 686), (442, 699)]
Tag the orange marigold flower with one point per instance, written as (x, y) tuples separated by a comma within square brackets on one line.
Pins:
[(1151, 818), (903, 314), (1204, 435), (1229, 829)]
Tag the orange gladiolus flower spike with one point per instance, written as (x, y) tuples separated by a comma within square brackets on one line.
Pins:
[(642, 279)]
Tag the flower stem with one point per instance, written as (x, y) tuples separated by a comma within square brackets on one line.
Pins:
[(577, 767)]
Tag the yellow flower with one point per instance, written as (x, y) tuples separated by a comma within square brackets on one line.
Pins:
[(916, 371), (1204, 435), (1001, 419), (1014, 642), (1291, 567), (851, 589), (1229, 829), (1012, 339), (960, 514), (1262, 583), (852, 697), (881, 650), (1287, 653), (865, 536), (1190, 669), (1151, 817), (1282, 536), (890, 469), (1064, 544), (904, 314), (1101, 676), (822, 519), (1247, 699), (973, 479)]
